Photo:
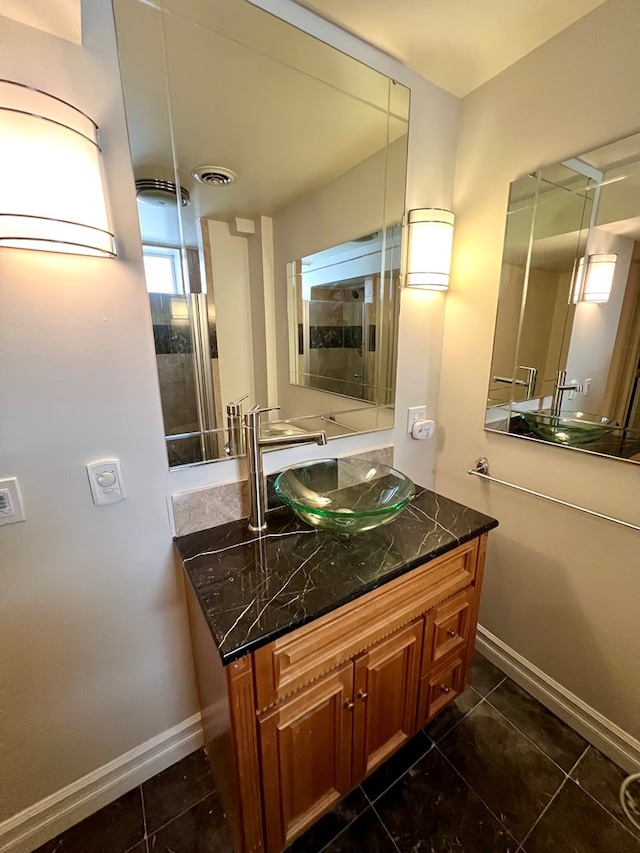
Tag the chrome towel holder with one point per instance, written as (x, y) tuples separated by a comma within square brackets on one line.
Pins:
[(481, 469)]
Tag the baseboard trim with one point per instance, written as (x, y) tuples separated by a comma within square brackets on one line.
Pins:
[(45, 819), (606, 736)]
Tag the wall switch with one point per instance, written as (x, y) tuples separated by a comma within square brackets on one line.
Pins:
[(11, 509), (415, 413), (105, 479), (586, 387)]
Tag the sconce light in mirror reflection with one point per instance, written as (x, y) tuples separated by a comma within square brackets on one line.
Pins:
[(596, 285), (52, 191), (430, 243)]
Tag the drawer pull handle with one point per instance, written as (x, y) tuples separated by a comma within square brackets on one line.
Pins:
[(452, 633), (349, 705), (444, 688), (362, 695)]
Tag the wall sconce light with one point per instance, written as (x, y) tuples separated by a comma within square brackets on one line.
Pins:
[(52, 195), (430, 242), (596, 285)]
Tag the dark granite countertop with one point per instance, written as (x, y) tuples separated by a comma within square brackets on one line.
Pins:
[(254, 588)]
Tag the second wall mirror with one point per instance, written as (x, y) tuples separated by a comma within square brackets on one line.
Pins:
[(566, 357), (270, 170)]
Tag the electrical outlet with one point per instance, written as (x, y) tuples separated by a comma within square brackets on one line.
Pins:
[(415, 413), (10, 503)]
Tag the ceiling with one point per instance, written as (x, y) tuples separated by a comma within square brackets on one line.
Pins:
[(457, 44)]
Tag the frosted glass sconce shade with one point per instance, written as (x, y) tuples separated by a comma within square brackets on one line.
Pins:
[(52, 195), (596, 285), (430, 242)]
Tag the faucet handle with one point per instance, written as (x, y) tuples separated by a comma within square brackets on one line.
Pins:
[(235, 408), (252, 416), (260, 411)]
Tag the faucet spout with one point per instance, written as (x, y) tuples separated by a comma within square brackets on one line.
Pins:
[(560, 387), (255, 444), (319, 437)]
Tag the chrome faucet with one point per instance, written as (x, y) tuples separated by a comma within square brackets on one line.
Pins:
[(255, 443), (558, 391), (234, 427)]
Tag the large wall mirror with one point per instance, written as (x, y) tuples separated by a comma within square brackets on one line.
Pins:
[(566, 357), (270, 172)]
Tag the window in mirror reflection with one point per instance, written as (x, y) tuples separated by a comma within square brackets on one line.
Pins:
[(162, 269)]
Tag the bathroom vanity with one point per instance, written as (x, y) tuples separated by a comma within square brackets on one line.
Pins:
[(318, 656)]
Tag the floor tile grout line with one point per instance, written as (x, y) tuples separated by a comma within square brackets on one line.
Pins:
[(567, 773), (351, 822), (384, 826), (533, 743), (402, 775), (473, 790), (457, 722), (602, 805), (183, 812), (542, 813), (493, 689), (144, 813)]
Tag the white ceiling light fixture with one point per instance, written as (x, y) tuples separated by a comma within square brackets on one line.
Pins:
[(160, 193), (596, 285), (430, 244), (52, 196)]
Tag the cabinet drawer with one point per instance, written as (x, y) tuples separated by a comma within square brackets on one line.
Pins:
[(440, 687), (303, 655), (447, 629)]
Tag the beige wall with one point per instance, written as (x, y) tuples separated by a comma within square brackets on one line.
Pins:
[(562, 589)]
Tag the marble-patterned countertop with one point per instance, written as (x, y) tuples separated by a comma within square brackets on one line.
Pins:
[(254, 588)]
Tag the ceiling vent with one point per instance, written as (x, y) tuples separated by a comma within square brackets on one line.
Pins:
[(160, 192), (214, 176)]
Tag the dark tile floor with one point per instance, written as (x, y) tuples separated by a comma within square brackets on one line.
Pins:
[(494, 773)]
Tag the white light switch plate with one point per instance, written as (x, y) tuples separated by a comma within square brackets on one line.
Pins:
[(105, 479), (11, 509)]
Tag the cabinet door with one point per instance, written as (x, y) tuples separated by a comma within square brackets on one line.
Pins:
[(306, 756), (386, 681)]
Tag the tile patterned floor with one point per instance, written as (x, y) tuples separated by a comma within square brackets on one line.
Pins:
[(496, 772)]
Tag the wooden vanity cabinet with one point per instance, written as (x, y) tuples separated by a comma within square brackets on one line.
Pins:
[(322, 741), (307, 717)]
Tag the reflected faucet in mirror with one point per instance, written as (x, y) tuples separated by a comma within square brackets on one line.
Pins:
[(235, 444), (529, 383), (561, 387), (255, 444)]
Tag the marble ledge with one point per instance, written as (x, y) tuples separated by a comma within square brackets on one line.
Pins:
[(221, 503), (253, 588)]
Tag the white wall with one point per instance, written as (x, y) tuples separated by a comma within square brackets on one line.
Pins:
[(562, 589), (95, 655), (94, 646), (228, 279)]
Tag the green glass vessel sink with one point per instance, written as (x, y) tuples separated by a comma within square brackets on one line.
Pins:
[(345, 495), (571, 428)]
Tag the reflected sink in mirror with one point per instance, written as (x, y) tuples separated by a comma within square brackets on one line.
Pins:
[(570, 428), (345, 496)]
